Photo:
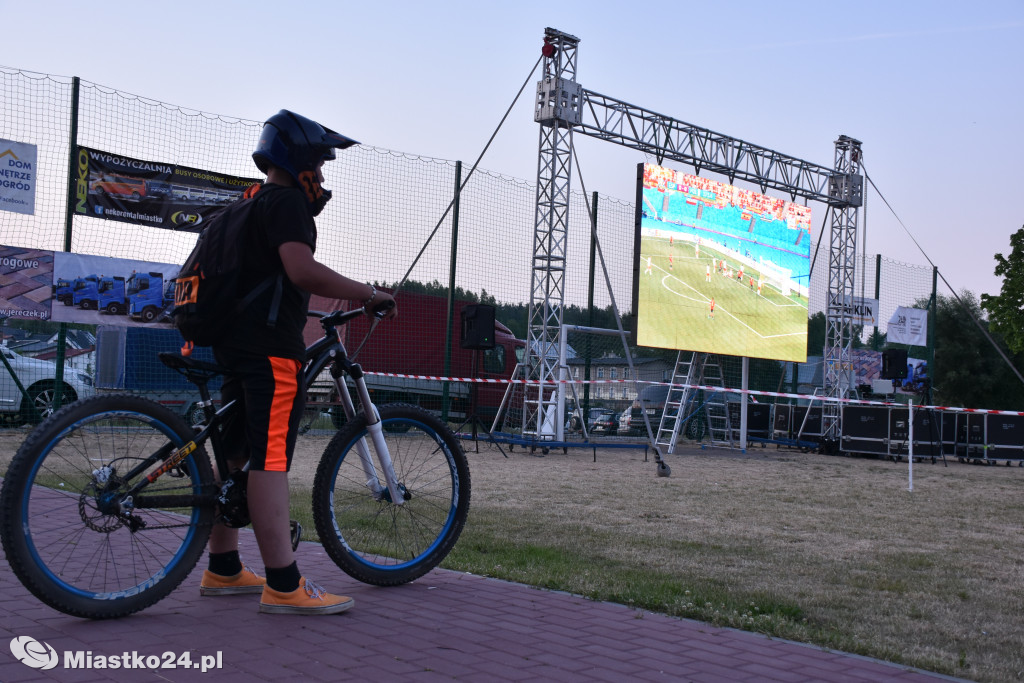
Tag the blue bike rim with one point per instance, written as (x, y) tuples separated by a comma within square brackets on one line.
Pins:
[(183, 546), (452, 508)]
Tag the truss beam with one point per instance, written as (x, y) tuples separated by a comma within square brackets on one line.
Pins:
[(617, 121), (846, 190)]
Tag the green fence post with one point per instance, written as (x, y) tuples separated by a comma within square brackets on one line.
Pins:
[(878, 274), (931, 335), (590, 306), (69, 215), (452, 259)]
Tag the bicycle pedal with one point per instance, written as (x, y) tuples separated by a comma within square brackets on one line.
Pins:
[(296, 534)]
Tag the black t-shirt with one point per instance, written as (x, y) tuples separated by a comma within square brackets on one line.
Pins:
[(281, 215)]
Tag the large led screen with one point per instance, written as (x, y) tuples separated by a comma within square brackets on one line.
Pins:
[(719, 268)]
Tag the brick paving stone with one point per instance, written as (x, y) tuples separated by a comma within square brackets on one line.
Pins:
[(560, 661), (717, 676), (521, 673), (772, 672), (624, 667), (510, 656), (315, 671), (480, 677)]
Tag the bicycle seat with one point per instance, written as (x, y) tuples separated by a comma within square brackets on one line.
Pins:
[(191, 366)]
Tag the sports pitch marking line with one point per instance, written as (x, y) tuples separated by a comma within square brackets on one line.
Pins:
[(706, 300)]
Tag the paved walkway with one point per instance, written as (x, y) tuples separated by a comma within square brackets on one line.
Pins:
[(445, 626)]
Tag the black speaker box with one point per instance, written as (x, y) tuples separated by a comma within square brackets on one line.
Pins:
[(894, 364), (477, 327)]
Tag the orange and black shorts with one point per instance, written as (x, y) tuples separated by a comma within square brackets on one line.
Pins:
[(270, 404)]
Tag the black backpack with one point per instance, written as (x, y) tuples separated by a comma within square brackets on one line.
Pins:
[(206, 301)]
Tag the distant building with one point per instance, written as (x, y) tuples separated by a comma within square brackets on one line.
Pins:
[(618, 389), (80, 347), (79, 359)]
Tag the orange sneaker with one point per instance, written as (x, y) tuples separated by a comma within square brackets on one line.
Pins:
[(308, 598), (245, 581)]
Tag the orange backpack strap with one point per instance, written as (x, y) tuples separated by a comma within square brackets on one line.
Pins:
[(251, 192)]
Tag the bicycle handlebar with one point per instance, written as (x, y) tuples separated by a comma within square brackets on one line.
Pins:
[(336, 318)]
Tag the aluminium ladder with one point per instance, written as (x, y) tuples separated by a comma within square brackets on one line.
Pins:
[(673, 416), (716, 408), (694, 369)]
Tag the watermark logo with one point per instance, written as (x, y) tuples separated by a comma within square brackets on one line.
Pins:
[(40, 655), (34, 653)]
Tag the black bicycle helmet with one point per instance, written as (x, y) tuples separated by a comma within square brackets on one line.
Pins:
[(297, 145)]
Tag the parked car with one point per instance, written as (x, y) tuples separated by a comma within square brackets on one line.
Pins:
[(651, 400), (573, 423), (39, 379), (605, 422)]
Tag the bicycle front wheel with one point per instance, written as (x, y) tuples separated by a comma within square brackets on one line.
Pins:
[(71, 533), (370, 537)]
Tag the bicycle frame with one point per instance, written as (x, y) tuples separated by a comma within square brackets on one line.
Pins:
[(326, 351)]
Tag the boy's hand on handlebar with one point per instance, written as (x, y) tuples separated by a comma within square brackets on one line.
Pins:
[(382, 305)]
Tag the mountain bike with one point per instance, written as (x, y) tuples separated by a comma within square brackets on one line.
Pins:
[(108, 504)]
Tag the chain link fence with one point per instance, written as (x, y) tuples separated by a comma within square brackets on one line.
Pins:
[(384, 225)]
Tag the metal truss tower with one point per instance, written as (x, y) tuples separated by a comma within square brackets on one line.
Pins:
[(845, 197), (557, 111)]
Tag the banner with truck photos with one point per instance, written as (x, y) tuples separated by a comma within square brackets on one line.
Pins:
[(100, 290), (79, 288)]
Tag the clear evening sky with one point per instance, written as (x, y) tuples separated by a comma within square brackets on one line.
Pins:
[(932, 89)]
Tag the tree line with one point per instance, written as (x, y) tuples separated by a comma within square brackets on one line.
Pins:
[(967, 370)]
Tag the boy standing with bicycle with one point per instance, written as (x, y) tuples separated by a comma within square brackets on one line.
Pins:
[(265, 353)]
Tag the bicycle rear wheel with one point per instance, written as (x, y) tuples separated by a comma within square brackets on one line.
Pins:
[(369, 537), (69, 532)]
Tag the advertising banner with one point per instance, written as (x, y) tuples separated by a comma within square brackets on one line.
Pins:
[(100, 290), (150, 192), (26, 282), (78, 288), (908, 326), (863, 311), (17, 177)]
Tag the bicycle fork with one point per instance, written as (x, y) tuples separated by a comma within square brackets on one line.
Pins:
[(375, 427)]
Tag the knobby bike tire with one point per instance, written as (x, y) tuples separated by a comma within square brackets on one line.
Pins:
[(372, 539), (64, 536)]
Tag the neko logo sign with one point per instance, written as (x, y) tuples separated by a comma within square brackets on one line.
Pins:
[(82, 185)]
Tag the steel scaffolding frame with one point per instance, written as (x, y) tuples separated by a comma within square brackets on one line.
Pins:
[(563, 107), (845, 197), (557, 111)]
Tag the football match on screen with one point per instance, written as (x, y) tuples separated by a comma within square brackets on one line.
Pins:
[(720, 268)]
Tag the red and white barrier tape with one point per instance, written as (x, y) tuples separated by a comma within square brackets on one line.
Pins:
[(774, 394)]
